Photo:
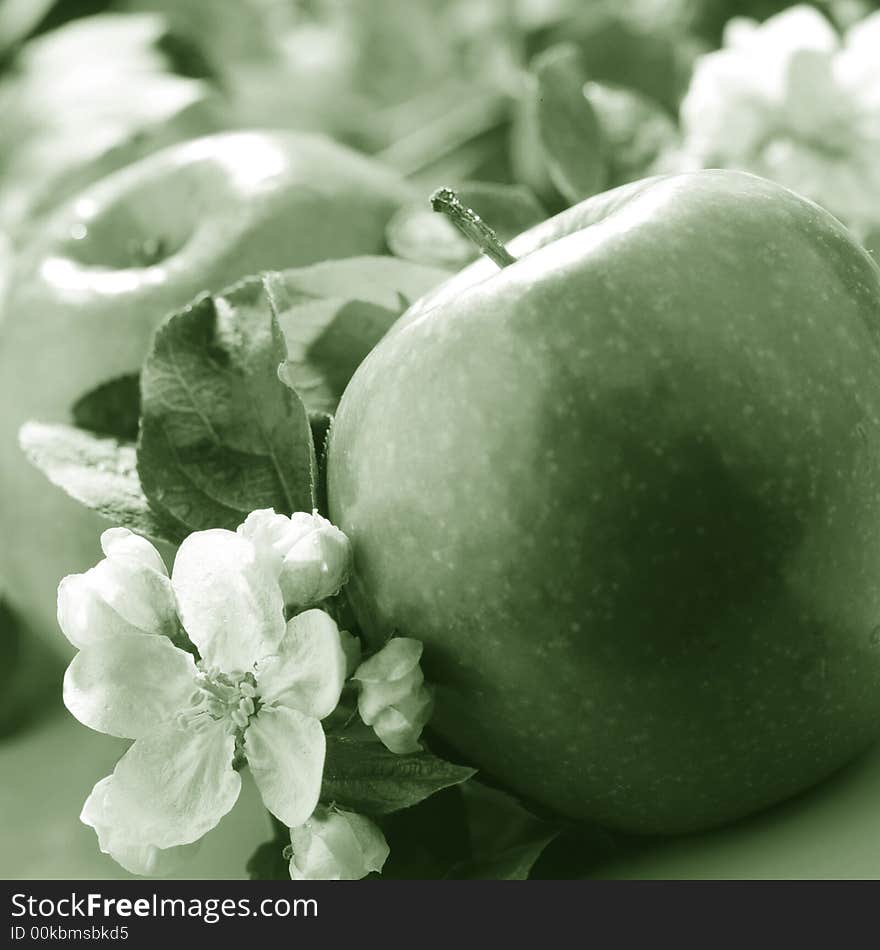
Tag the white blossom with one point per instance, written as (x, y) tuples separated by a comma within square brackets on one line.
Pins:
[(311, 555), (127, 592), (336, 845), (393, 697), (145, 860), (257, 694), (791, 100)]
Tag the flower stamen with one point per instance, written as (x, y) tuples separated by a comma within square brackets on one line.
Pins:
[(229, 698)]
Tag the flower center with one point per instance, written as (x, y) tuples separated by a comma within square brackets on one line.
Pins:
[(231, 698)]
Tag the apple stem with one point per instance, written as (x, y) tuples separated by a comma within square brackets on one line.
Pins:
[(471, 225)]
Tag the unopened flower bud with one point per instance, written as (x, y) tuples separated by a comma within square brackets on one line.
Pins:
[(393, 698), (311, 555), (126, 592), (336, 845)]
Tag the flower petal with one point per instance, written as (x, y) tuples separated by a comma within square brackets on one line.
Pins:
[(372, 842), (285, 751), (139, 594), (311, 556), (376, 696), (146, 860), (798, 27), (126, 591), (229, 601), (393, 698), (396, 659), (336, 845), (86, 618), (308, 671), (275, 533), (129, 686), (317, 566), (399, 726), (171, 788), (313, 858), (121, 541)]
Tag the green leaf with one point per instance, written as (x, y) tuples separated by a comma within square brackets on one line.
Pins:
[(428, 839), (416, 233), (567, 125), (100, 473), (507, 209), (332, 314), (367, 778), (419, 234), (113, 408), (636, 131), (221, 434), (512, 864), (506, 838), (578, 851)]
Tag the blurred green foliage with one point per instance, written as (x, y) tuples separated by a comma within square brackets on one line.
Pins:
[(30, 675), (436, 87)]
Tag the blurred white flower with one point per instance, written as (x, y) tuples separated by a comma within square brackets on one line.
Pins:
[(393, 697), (336, 845), (311, 556), (257, 694), (791, 100)]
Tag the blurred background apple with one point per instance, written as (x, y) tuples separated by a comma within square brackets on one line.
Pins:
[(112, 262)]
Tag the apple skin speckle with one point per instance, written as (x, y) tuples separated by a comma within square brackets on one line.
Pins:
[(648, 453)]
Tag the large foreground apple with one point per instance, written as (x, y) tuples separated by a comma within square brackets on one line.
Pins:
[(114, 261), (627, 490)]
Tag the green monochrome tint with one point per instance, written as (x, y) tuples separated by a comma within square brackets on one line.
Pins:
[(624, 490), (439, 439)]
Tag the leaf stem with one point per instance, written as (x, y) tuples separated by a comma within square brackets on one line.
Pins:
[(471, 225)]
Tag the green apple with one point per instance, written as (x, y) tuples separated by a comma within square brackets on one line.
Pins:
[(627, 491), (110, 264)]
